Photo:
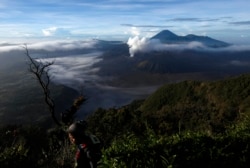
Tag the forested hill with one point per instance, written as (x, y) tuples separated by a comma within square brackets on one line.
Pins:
[(189, 105)]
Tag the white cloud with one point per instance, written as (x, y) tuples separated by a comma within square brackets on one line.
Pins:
[(62, 45), (50, 45), (74, 70), (236, 48), (7, 47), (49, 31)]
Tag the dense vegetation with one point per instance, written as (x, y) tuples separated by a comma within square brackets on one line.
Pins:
[(187, 124)]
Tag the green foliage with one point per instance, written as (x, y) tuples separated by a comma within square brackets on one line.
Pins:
[(189, 149), (14, 156), (32, 146), (20, 144), (199, 106), (203, 122), (189, 124), (108, 124), (210, 107), (136, 152)]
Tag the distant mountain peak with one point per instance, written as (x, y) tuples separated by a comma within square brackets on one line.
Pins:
[(168, 37), (165, 34)]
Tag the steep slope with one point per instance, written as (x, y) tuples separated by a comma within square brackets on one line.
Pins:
[(197, 105), (233, 90), (209, 107)]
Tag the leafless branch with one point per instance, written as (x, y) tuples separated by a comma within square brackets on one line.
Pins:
[(41, 72)]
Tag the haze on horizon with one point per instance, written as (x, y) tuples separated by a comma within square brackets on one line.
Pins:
[(37, 20)]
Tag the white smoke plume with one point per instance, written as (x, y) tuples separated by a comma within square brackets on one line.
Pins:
[(137, 44)]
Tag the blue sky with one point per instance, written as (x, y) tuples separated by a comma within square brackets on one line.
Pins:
[(24, 20)]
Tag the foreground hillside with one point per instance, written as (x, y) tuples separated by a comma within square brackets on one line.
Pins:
[(189, 105), (187, 124)]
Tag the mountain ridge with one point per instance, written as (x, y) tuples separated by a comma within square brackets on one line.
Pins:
[(168, 37)]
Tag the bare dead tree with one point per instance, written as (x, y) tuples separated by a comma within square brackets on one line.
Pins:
[(41, 72)]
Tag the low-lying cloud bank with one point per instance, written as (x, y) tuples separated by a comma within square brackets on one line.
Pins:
[(142, 44), (50, 45), (135, 44)]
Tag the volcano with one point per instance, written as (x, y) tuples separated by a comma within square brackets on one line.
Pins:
[(169, 37)]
